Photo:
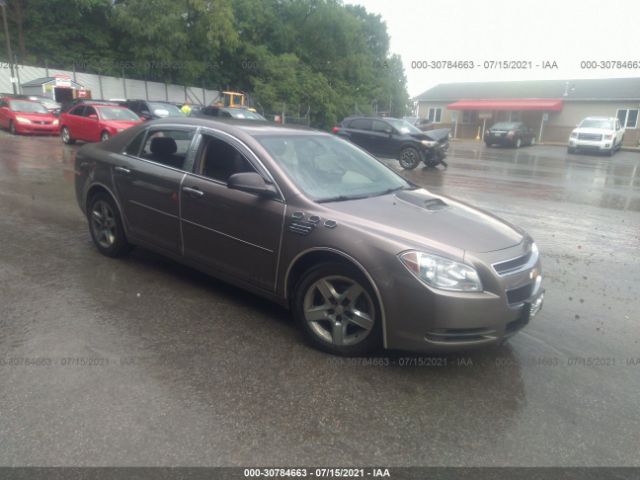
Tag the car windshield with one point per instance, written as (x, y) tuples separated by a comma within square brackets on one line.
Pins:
[(597, 123), (327, 168), (246, 114), (504, 126), (403, 126), (115, 113), (27, 107), (165, 110)]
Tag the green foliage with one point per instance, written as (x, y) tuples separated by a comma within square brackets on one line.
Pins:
[(318, 55)]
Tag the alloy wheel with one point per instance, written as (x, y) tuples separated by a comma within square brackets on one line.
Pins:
[(409, 158), (103, 224), (65, 135), (339, 310), (104, 137)]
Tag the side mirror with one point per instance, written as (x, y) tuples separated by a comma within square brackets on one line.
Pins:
[(251, 182)]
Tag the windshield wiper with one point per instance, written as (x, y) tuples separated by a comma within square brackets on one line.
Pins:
[(342, 198)]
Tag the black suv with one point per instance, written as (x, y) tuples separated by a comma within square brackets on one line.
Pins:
[(396, 138), (152, 110)]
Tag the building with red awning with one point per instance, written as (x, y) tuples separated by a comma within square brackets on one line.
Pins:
[(551, 107)]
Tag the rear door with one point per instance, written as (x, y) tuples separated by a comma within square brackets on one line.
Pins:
[(73, 120), (230, 231), (90, 125), (147, 178), (360, 133)]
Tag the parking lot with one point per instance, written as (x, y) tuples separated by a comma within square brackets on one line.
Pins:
[(141, 361)]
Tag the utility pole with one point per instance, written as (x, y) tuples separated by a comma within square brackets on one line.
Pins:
[(3, 5)]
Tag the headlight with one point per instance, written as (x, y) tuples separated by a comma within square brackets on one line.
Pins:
[(442, 273), (23, 120), (56, 122), (428, 143), (573, 135), (608, 136)]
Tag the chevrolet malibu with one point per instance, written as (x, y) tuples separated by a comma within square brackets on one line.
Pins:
[(362, 258)]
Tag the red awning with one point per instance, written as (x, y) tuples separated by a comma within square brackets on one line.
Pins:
[(554, 105)]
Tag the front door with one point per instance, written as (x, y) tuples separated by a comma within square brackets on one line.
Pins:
[(230, 231), (147, 180)]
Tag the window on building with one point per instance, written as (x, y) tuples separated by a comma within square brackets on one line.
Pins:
[(469, 116), (628, 117), (435, 114)]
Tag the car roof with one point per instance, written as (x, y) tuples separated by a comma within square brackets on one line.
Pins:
[(249, 127)]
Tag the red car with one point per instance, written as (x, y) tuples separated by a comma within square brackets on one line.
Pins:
[(26, 116), (95, 122)]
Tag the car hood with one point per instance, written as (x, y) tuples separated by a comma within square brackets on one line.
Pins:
[(418, 216)]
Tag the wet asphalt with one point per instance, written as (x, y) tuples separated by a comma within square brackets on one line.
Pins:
[(141, 361)]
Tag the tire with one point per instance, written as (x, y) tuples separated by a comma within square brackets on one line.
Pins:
[(324, 310), (532, 142), (518, 142), (612, 152), (104, 136), (12, 128), (409, 158), (65, 134), (106, 226)]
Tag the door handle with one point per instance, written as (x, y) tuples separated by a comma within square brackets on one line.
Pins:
[(122, 170), (194, 192)]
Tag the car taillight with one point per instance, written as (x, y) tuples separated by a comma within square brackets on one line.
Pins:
[(335, 129)]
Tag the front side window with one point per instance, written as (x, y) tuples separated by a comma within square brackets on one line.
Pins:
[(168, 147), (379, 126), (134, 147), (219, 160), (327, 168)]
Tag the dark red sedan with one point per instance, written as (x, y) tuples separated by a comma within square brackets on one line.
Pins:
[(95, 122), (26, 116)]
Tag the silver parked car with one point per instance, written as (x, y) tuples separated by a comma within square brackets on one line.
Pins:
[(363, 258)]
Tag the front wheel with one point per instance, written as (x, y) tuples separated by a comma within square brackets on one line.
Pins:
[(12, 128), (106, 227), (518, 142), (337, 310), (409, 158), (532, 142)]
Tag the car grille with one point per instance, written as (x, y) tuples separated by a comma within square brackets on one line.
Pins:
[(520, 294), (510, 266), (590, 136)]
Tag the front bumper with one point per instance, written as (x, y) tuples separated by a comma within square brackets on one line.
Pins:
[(593, 145), (422, 319), (499, 140), (36, 129)]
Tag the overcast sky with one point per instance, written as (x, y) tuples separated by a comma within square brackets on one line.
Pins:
[(564, 31)]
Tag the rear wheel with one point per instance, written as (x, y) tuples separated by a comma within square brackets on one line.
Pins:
[(409, 158), (104, 136), (106, 227), (337, 310), (66, 136), (518, 142)]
